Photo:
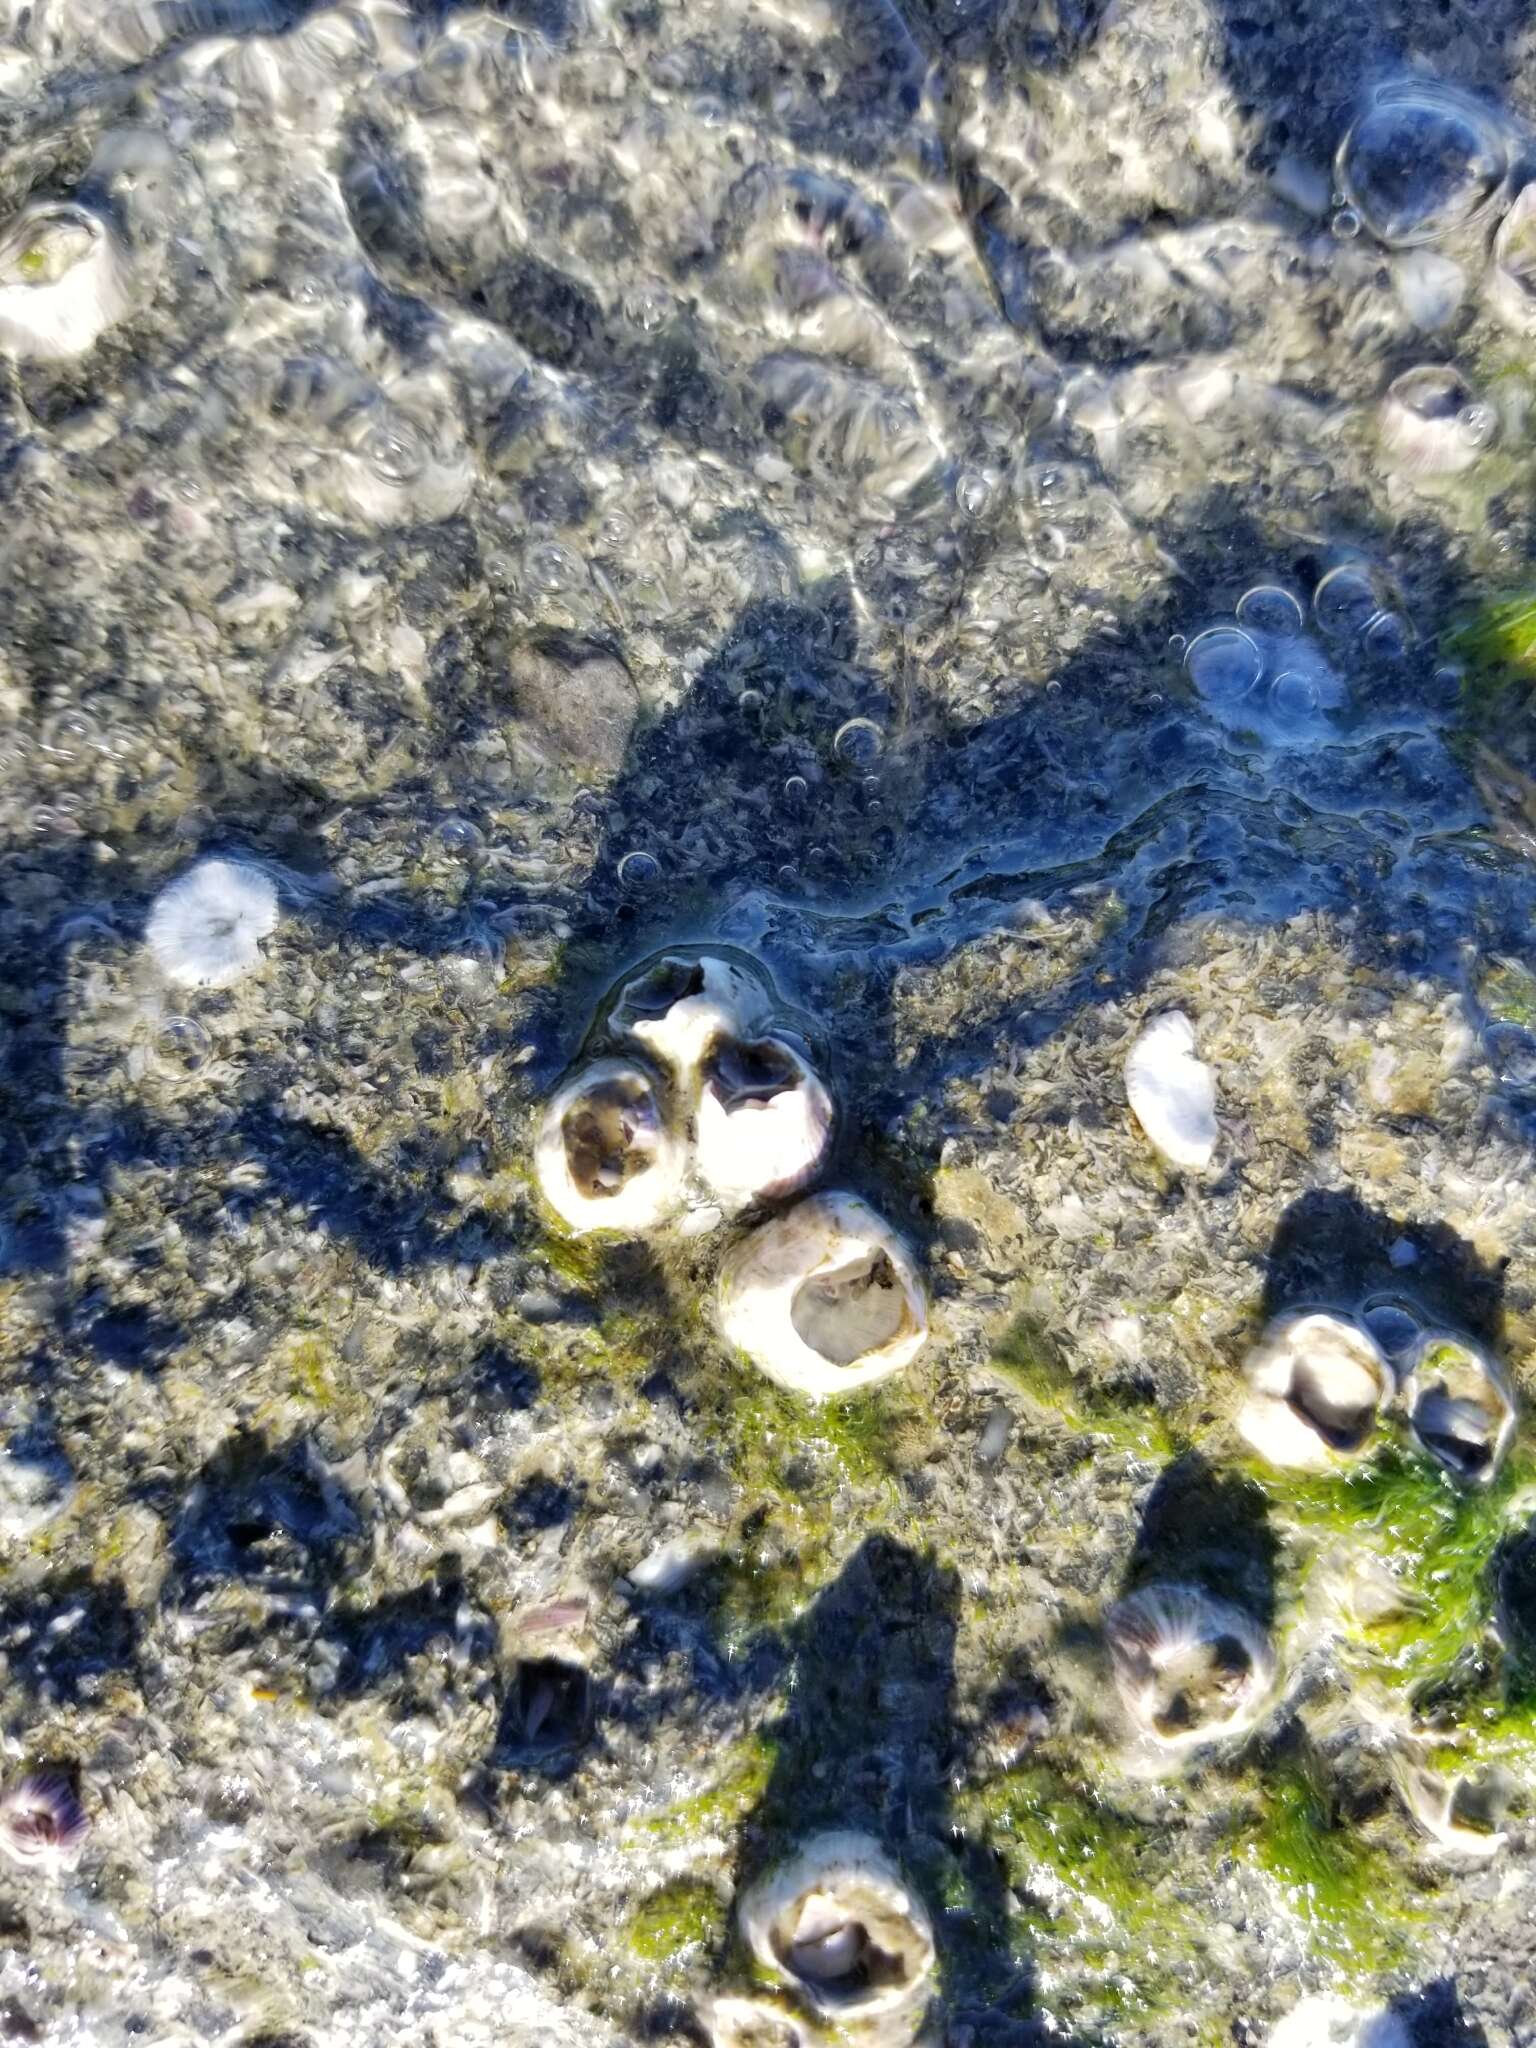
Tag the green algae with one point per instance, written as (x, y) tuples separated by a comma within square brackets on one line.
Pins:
[(723, 1804), (1498, 645), (1033, 1362), (677, 1924)]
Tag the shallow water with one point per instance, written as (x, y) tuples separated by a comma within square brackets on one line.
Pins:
[(904, 492)]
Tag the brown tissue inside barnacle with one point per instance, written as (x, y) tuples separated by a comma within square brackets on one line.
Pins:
[(855, 1309), (1200, 1686), (608, 1136)]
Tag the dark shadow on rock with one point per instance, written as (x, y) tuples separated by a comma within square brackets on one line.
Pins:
[(1332, 1250), (1208, 1529), (266, 1513), (61, 1643), (868, 1742), (1436, 2018), (377, 1642)]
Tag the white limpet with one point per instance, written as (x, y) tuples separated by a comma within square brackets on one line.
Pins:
[(764, 1121), (1512, 275), (1172, 1093), (1431, 424), (1462, 1816), (754, 2023), (1459, 1406), (680, 1006), (64, 280), (205, 928), (606, 1156), (824, 1299), (1316, 1383), (1189, 1668), (839, 1925)]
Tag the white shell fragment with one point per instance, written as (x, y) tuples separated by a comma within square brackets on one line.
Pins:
[(1316, 1383), (1172, 1093), (679, 1006), (1189, 1668), (606, 1155), (1432, 424), (764, 1121), (1512, 276), (64, 281), (205, 928), (1328, 2022), (838, 1924), (1460, 1407), (824, 1299), (1462, 1816)]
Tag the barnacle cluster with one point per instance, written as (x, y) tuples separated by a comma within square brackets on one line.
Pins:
[(700, 1099)]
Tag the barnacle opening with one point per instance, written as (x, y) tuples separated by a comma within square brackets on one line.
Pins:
[(1189, 1668), (858, 1307), (1459, 1408), (548, 1706), (838, 1924)]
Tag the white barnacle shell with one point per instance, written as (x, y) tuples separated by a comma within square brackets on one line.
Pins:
[(824, 1298), (1189, 1668), (1463, 1816), (64, 280), (1172, 1093), (764, 1121), (1460, 1407), (1431, 422), (606, 1156), (1316, 1382), (838, 1924), (42, 1822), (679, 1005), (205, 928), (754, 2023), (1512, 275), (1328, 2022)]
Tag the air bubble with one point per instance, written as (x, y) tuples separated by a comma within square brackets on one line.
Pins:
[(1345, 602), (639, 870), (1420, 162), (182, 1045), (1386, 636), (859, 742), (550, 567), (1345, 224), (71, 734), (1292, 696), (394, 453), (1478, 424), (973, 493), (1177, 642), (648, 307), (458, 835), (1224, 663), (1268, 608), (750, 702), (796, 789)]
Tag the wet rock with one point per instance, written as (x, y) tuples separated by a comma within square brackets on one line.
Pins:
[(575, 707)]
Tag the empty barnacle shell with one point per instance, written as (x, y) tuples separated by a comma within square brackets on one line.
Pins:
[(1463, 1816), (64, 281), (1512, 276), (606, 1156), (838, 1924), (764, 1120), (1190, 1668), (754, 2023), (1316, 1382), (825, 1298), (205, 928), (1460, 1407), (42, 1822), (1432, 423), (679, 1004), (1172, 1093)]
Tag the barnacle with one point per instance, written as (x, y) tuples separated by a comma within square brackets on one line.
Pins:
[(1316, 1382), (1189, 1668), (824, 1298), (205, 928), (63, 281), (839, 1924), (764, 1120), (42, 1820), (606, 1155), (1432, 423), (1460, 1407)]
